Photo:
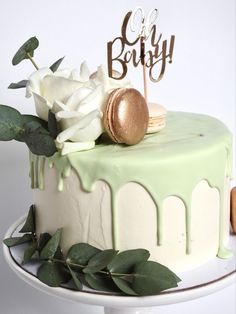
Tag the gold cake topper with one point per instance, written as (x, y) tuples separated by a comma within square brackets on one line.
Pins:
[(146, 32)]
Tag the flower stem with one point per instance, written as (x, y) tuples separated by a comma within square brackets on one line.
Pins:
[(83, 266), (32, 60)]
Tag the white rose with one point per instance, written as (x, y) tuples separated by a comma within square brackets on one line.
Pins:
[(77, 99)]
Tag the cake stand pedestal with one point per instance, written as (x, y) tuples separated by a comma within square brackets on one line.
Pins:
[(199, 282)]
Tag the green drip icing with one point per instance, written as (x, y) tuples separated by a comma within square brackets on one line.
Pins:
[(191, 148), (188, 226), (62, 166)]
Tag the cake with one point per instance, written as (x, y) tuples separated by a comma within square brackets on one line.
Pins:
[(168, 194), (110, 171)]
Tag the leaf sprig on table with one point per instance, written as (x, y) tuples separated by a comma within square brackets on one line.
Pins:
[(128, 272)]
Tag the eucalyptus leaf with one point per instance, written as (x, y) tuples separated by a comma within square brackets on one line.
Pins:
[(29, 252), (29, 225), (52, 245), (152, 278), (101, 282), (10, 123), (25, 118), (43, 240), (13, 241), (52, 124), (38, 139), (125, 261), (81, 253), (29, 118), (124, 286), (27, 48), (100, 260), (20, 84), (56, 64), (76, 279), (52, 274)]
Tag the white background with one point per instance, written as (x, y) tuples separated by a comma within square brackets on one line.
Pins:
[(201, 79)]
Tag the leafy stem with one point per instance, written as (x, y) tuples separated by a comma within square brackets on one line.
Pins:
[(128, 272), (32, 60)]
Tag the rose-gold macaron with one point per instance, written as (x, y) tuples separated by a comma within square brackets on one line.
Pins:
[(126, 116), (157, 118), (233, 209)]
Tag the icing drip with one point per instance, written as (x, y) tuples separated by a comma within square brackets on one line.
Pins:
[(191, 148)]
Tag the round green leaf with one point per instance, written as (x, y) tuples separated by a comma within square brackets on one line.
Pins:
[(52, 245), (17, 240), (101, 282), (29, 225), (152, 278), (81, 253), (27, 48), (56, 64), (10, 123), (38, 139), (20, 84), (76, 279), (125, 261), (52, 274), (29, 252), (99, 261), (124, 286)]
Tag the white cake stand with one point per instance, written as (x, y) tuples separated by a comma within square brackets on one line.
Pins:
[(202, 281)]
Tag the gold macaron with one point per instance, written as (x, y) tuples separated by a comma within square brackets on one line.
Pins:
[(126, 116), (233, 209), (157, 118)]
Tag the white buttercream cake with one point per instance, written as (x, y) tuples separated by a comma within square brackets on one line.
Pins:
[(168, 194)]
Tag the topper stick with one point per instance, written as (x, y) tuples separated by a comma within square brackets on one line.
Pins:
[(142, 56)]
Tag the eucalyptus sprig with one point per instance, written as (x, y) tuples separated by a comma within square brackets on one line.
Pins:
[(26, 51), (29, 129), (128, 272)]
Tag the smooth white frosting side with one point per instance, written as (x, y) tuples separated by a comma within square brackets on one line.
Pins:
[(86, 217)]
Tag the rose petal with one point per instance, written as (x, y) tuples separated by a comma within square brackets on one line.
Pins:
[(84, 72), (59, 106), (91, 132), (78, 96), (68, 118), (35, 81), (42, 106), (95, 100), (72, 132), (69, 147), (58, 88)]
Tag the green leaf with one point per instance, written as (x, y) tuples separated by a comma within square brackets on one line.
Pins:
[(52, 246), (81, 253), (10, 123), (29, 225), (152, 278), (99, 261), (27, 48), (125, 261), (29, 252), (76, 279), (25, 118), (56, 64), (20, 84), (124, 286), (13, 241), (38, 139), (52, 274), (28, 118), (52, 124), (43, 240), (101, 282)]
